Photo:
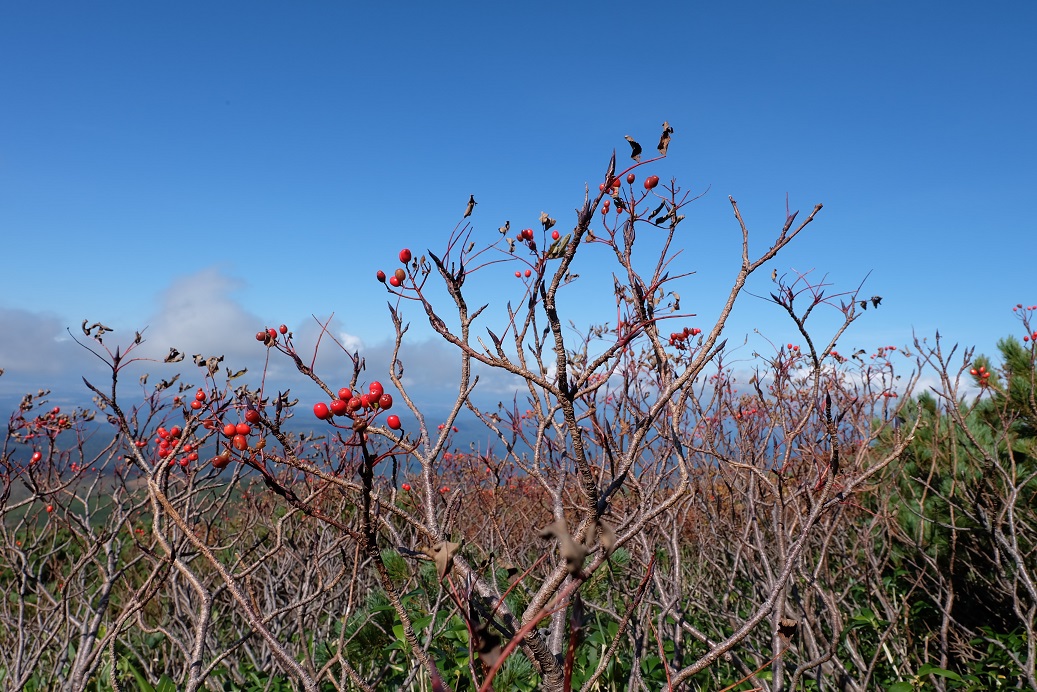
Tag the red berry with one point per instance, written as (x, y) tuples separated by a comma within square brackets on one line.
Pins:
[(518, 275), (345, 394), (406, 487), (36, 456), (365, 400), (200, 395), (339, 407), (393, 422), (385, 401), (243, 429), (394, 282), (272, 332), (260, 336), (400, 275), (175, 432), (631, 178), (220, 462), (354, 403), (196, 405), (283, 329), (50, 508), (445, 489), (405, 255), (528, 273), (252, 415), (230, 430), (381, 276), (555, 235), (616, 182), (320, 409), (602, 187), (651, 181), (240, 442), (376, 389)]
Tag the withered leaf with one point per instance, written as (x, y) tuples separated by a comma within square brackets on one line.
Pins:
[(876, 301), (470, 207), (546, 220), (606, 537), (505, 228), (787, 628), (864, 304), (174, 356), (443, 553), (664, 140), (557, 249), (572, 552), (236, 375), (487, 644), (166, 384), (655, 212), (635, 148)]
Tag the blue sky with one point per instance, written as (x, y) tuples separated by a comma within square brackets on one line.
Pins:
[(205, 169)]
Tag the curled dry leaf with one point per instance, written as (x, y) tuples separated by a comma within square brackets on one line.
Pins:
[(635, 148), (470, 207), (572, 552), (664, 140), (443, 553), (787, 628), (546, 220), (487, 644)]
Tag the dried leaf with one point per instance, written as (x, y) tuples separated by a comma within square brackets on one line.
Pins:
[(664, 140), (863, 304), (662, 205), (787, 628), (471, 206), (487, 644), (174, 356), (606, 537), (635, 148), (546, 220), (443, 553), (505, 228), (572, 552), (557, 249), (876, 301)]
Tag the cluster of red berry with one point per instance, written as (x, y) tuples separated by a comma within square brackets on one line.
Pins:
[(396, 280), (169, 440), (49, 424), (350, 404), (269, 335), (680, 339), (982, 373)]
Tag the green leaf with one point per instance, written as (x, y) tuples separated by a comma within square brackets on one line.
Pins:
[(901, 687), (928, 669), (142, 684), (166, 684)]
